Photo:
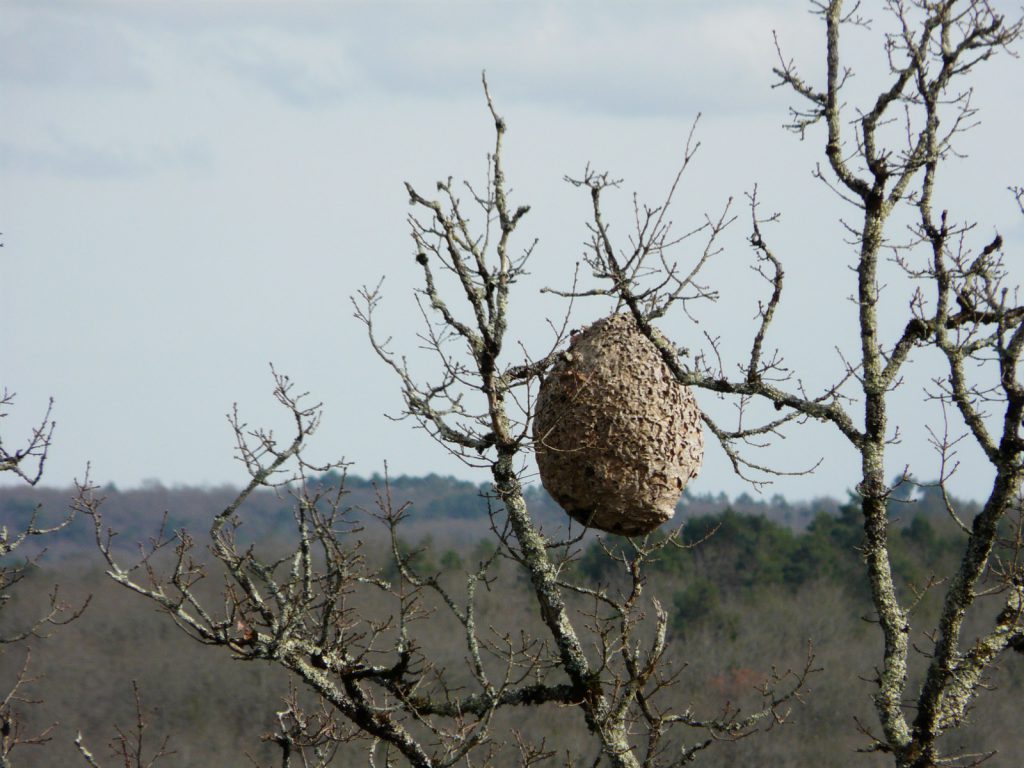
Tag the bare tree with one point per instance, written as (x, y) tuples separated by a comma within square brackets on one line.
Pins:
[(602, 653), (130, 747), (961, 305), (27, 464), (353, 638), (479, 409)]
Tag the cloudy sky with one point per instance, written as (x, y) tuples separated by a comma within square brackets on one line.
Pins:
[(192, 190)]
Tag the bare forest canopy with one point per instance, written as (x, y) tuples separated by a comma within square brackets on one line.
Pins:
[(770, 540), (739, 596), (435, 502)]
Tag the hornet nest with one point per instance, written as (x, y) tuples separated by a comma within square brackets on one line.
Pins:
[(617, 436)]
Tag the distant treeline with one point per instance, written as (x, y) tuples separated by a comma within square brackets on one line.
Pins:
[(748, 555), (770, 539)]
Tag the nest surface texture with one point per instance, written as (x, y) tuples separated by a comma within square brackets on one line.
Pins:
[(617, 437)]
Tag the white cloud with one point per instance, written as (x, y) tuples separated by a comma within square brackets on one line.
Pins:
[(631, 60), (301, 71), (68, 158), (60, 47)]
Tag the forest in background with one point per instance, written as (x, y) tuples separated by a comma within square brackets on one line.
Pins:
[(764, 580)]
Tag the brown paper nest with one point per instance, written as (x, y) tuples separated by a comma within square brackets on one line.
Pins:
[(617, 436)]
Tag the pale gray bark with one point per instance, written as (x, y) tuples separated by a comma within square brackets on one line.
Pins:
[(970, 319), (614, 692)]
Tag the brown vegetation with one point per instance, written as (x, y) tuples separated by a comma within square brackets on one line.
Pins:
[(216, 711)]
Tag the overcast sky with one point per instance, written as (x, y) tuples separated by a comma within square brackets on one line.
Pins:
[(192, 190)]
